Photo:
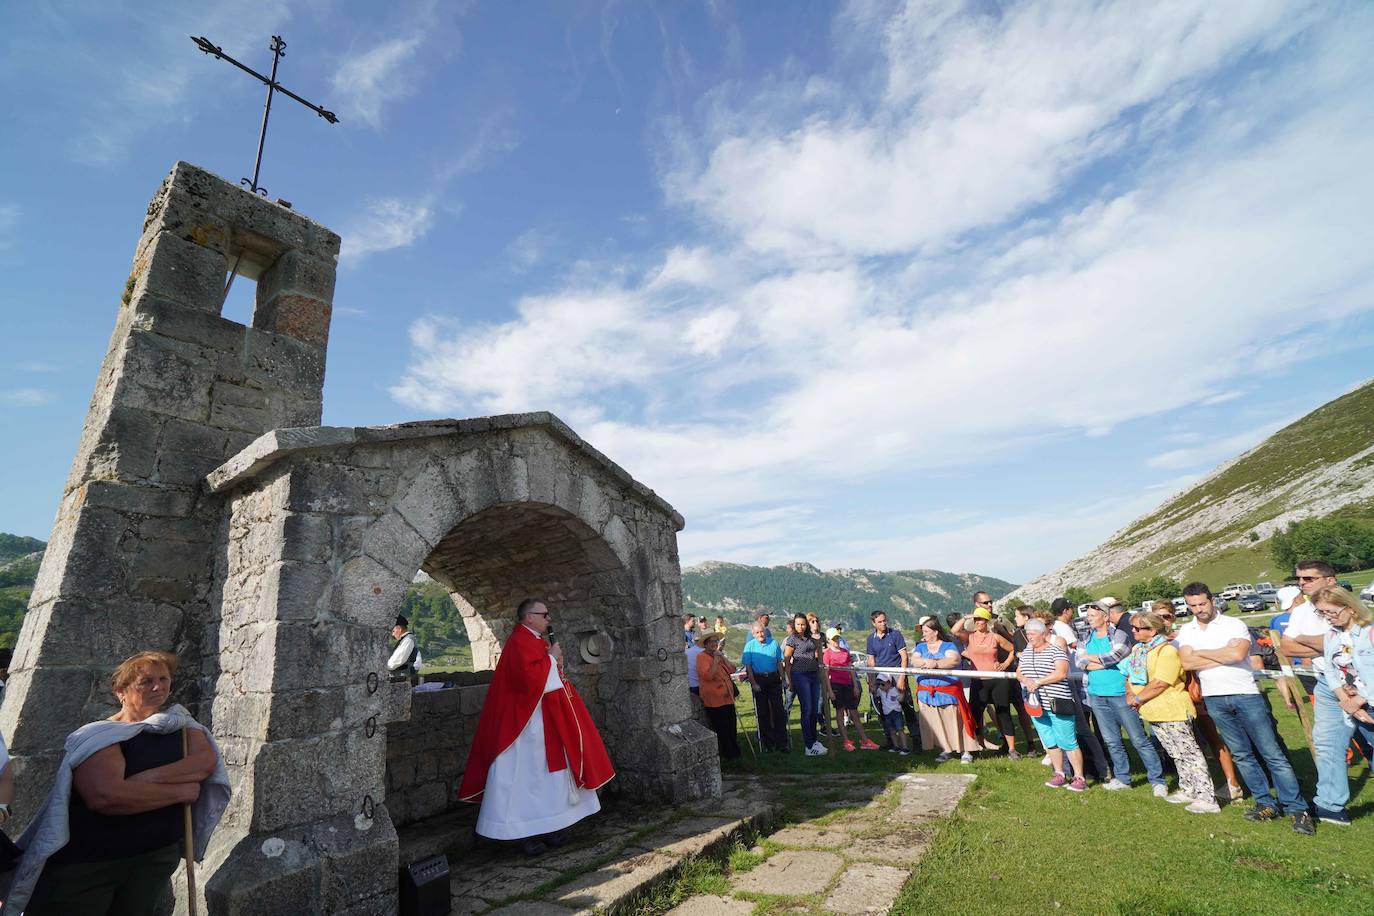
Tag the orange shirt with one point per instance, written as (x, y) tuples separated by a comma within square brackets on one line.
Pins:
[(981, 649), (713, 673)]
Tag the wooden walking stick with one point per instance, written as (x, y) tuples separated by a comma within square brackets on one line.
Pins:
[(1296, 689), (190, 839)]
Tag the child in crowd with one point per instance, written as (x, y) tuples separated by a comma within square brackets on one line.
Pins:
[(890, 704), (840, 688)]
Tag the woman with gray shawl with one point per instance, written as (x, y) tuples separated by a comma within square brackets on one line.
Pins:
[(109, 846)]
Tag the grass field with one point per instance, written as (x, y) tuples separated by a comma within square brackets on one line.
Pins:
[(1014, 846)]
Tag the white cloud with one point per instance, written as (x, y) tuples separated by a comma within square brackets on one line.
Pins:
[(27, 397), (378, 77), (782, 377), (983, 116), (1213, 452), (387, 224)]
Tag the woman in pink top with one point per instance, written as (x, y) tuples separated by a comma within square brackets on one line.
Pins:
[(839, 688), (982, 647)]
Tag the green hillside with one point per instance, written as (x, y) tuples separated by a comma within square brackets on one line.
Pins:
[(737, 592), (19, 558), (1222, 529)]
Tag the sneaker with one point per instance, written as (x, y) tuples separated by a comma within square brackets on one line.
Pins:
[(1302, 823), (1046, 762), (818, 747), (849, 745), (1203, 806), (1160, 791), (1179, 798), (966, 757), (904, 752), (814, 751), (1013, 755), (1078, 785), (1261, 813), (1230, 793), (1114, 785), (868, 745), (1327, 816), (890, 750), (1058, 782), (942, 756)]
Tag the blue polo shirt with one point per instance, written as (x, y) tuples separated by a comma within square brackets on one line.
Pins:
[(886, 649), (762, 657)]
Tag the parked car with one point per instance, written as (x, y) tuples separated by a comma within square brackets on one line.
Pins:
[(1264, 587), (1267, 592), (1249, 604), (1260, 640), (1222, 604), (1368, 593), (1235, 590), (1181, 609)]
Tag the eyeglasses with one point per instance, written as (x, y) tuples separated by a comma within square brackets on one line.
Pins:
[(537, 614), (988, 603), (1138, 629), (1310, 578), (1166, 616)]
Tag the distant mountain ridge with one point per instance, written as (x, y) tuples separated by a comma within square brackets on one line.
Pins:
[(1319, 466), (737, 592)]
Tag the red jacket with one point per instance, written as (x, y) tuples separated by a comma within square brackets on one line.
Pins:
[(516, 694)]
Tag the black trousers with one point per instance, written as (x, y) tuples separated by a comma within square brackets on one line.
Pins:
[(768, 708), (722, 719), (985, 694)]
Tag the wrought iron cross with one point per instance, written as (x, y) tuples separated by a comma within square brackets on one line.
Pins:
[(278, 48)]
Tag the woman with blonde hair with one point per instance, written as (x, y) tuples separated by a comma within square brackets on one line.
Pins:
[(1349, 654), (1155, 688), (112, 831)]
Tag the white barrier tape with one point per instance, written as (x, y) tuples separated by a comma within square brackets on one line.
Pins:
[(1009, 675)]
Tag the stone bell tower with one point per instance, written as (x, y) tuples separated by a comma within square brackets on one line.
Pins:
[(131, 559)]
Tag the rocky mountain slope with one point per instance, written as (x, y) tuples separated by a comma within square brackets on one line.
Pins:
[(847, 595), (1319, 466)]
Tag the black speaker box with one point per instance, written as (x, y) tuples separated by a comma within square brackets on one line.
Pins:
[(424, 887)]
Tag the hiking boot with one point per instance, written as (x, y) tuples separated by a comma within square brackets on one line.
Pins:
[(1302, 823), (1261, 813), (1058, 782)]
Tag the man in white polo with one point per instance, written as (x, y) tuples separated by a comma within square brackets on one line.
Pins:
[(1218, 649)]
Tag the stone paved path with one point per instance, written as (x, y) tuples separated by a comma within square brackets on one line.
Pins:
[(854, 858)]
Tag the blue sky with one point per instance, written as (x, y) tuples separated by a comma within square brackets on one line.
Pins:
[(965, 286)]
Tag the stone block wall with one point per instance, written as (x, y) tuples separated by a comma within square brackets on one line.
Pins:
[(131, 558), (425, 756)]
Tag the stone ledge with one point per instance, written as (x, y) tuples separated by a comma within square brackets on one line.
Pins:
[(273, 446)]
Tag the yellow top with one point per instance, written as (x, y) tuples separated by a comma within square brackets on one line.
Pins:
[(1174, 704), (722, 628)]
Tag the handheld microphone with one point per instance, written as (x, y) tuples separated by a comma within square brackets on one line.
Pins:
[(549, 634)]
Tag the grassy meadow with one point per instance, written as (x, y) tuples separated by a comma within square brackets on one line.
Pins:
[(1014, 846)]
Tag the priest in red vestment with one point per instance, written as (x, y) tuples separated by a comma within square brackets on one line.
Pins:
[(537, 758)]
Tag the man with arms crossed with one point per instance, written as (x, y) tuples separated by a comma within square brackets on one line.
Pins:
[(1218, 649)]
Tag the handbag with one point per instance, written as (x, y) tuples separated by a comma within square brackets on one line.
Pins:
[(1063, 706), (1194, 687)]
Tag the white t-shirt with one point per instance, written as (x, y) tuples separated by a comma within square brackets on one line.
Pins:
[(1223, 680), (1305, 621), (1065, 631)]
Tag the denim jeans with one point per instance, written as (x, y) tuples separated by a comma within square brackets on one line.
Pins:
[(1331, 734), (1113, 714), (807, 686), (1245, 725)]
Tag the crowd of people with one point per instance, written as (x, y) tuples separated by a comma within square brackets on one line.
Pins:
[(1168, 688)]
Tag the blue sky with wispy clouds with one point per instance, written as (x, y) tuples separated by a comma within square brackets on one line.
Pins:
[(880, 284)]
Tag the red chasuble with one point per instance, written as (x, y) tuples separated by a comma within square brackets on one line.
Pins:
[(515, 695)]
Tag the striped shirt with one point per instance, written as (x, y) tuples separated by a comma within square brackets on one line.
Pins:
[(1040, 665)]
